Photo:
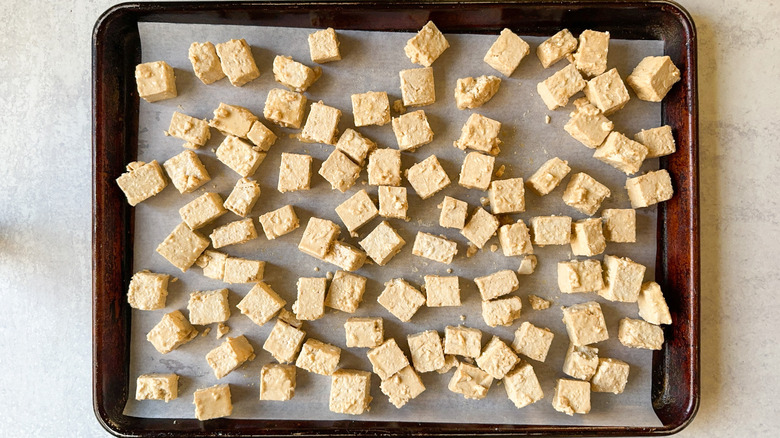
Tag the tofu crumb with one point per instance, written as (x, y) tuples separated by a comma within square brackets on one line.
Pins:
[(500, 171), (206, 331), (538, 303), (449, 270), (472, 249), (398, 106), (484, 201), (222, 330), (316, 269), (329, 276), (462, 317), (547, 119), (493, 248)]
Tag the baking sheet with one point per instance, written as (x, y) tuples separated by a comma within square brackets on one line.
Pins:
[(371, 61)]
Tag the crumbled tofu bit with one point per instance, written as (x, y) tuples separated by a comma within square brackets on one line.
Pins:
[(364, 332), (193, 131), (205, 63), (622, 279), (591, 55), (585, 323), (324, 46), (442, 291), (480, 228), (571, 397), (141, 181), (398, 106), (462, 317), (233, 233), (551, 230), (345, 292), (240, 156), (426, 46), (284, 341), (182, 247), (515, 239), (356, 146), (237, 62), (547, 178), (577, 276), (533, 342), (213, 402), (547, 119), (148, 291), (506, 52), (538, 303), (233, 120), (585, 194), (470, 381), (230, 355), (345, 256), (417, 88), (318, 237), (371, 108), (556, 48), (479, 133), (402, 386), (384, 167), (279, 222), (497, 359), (261, 303), (500, 172), (350, 392), (462, 341), (557, 89), (587, 238), (294, 172), (339, 171), (484, 201), (434, 248), (588, 125), (636, 333), (619, 225), (155, 80), (293, 74), (387, 359), (650, 188), (522, 385), (213, 264), (507, 196), (171, 332), (527, 265), (503, 311), (285, 108), (611, 376), (318, 357), (607, 92), (222, 330), (401, 299), (277, 382), (412, 130), (658, 141), (427, 177), (450, 362), (289, 318), (186, 171), (622, 153), (393, 202), (427, 351), (321, 124), (581, 361), (475, 92), (382, 243), (471, 250), (243, 197), (493, 248), (652, 305), (310, 304), (208, 307), (157, 387), (653, 77), (202, 210)]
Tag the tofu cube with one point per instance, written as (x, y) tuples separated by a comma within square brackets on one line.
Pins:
[(202, 210), (607, 92), (427, 351), (148, 291), (551, 230), (233, 120), (474, 92), (549, 176), (619, 225), (560, 87), (479, 133), (587, 238), (345, 256), (356, 146), (195, 132), (588, 125), (293, 74), (238, 270), (205, 62), (339, 171), (155, 80), (230, 355), (652, 305), (417, 88), (182, 247), (425, 47), (462, 341), (284, 341), (636, 333), (318, 357), (364, 332), (371, 108), (453, 213), (503, 311), (384, 167), (611, 376), (345, 291), (497, 359), (213, 402), (650, 188), (402, 387), (522, 385), (322, 124), (585, 194), (497, 284), (434, 248), (393, 202), (171, 332), (532, 341), (318, 237), (294, 172), (658, 141), (279, 222), (141, 181), (240, 156), (571, 397), (507, 196), (556, 48), (261, 303), (585, 323), (213, 264), (427, 177), (527, 266), (157, 387), (285, 108), (442, 291), (237, 62), (506, 52), (480, 228), (382, 243), (277, 382), (470, 381), (622, 279), (622, 153), (515, 239), (324, 46), (261, 136), (580, 276), (243, 197), (591, 55), (186, 171), (653, 77), (401, 299), (289, 318), (387, 359), (233, 233), (209, 307), (412, 130), (350, 392), (581, 361), (311, 298)]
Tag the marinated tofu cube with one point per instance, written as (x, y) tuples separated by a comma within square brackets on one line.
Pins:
[(532, 341), (243, 197), (311, 298), (261, 136), (318, 357), (345, 256), (402, 387), (650, 188), (622, 279), (230, 355), (157, 387), (202, 210), (480, 228), (350, 392), (233, 120), (213, 264), (587, 238), (611, 376), (339, 171), (580, 276), (507, 196), (412, 130), (581, 361), (237, 62), (636, 333), (318, 237), (585, 194), (238, 270), (506, 52), (293, 74), (393, 202), (261, 303), (401, 299), (622, 153), (560, 87), (427, 351), (479, 133), (571, 397), (384, 167), (324, 46), (474, 92), (205, 62), (356, 146), (208, 307), (277, 382), (148, 290), (233, 233), (425, 47), (502, 311), (213, 402), (240, 156), (470, 381), (591, 55), (371, 108), (442, 291), (195, 132), (345, 291), (515, 239), (453, 213), (607, 92), (294, 172), (364, 332), (182, 247), (462, 341), (285, 108), (585, 323), (658, 141), (527, 265), (141, 181), (186, 172), (284, 341), (417, 87), (652, 305), (497, 284), (434, 248), (522, 385), (321, 125), (279, 222), (556, 48), (155, 80), (387, 359), (551, 230), (171, 332), (619, 225), (547, 178), (653, 77), (382, 243), (427, 177), (588, 125), (497, 359)]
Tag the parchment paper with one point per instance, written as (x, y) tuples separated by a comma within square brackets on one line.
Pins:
[(371, 62)]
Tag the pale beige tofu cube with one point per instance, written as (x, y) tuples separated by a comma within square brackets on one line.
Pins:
[(622, 153), (364, 332), (393, 202), (233, 120), (652, 305), (515, 239), (462, 341), (240, 156), (238, 270), (318, 357), (233, 233), (434, 248), (261, 136), (356, 146), (577, 276), (425, 47), (497, 284), (587, 238), (157, 387), (294, 172), (636, 333), (619, 225), (401, 299), (551, 230), (324, 46), (237, 62), (527, 265), (450, 362), (339, 171), (571, 397), (588, 125), (479, 133), (556, 48), (382, 243), (591, 55), (474, 92), (585, 194), (243, 197), (653, 77), (503, 311), (171, 332), (417, 87), (155, 80), (293, 74), (277, 382), (387, 359), (522, 386), (427, 351), (581, 361), (195, 132), (658, 141), (279, 222), (208, 307), (427, 177), (557, 89), (402, 387), (345, 291), (384, 167), (141, 181), (186, 171), (650, 188), (321, 124), (607, 92), (470, 381), (345, 256), (370, 108), (205, 62), (506, 52), (202, 210), (453, 213), (213, 264), (585, 323), (442, 291), (148, 290), (622, 279), (285, 108), (182, 247), (532, 341), (507, 196), (549, 176), (310, 304), (230, 355), (350, 392), (497, 359), (213, 402), (611, 376), (284, 341), (318, 237), (261, 303), (412, 130), (480, 228)]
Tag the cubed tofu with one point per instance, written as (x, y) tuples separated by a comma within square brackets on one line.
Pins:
[(285, 108), (557, 89), (157, 387), (581, 361), (591, 55), (480, 228), (148, 290), (230, 355), (522, 386), (653, 77), (345, 291), (401, 299), (532, 341), (417, 87), (364, 332), (622, 153), (243, 197), (324, 46), (213, 402), (310, 304), (387, 359), (479, 133), (497, 284), (607, 92), (356, 211), (339, 171), (650, 188), (619, 225), (393, 202), (171, 332), (233, 120), (371, 108), (318, 357), (636, 333), (345, 256), (356, 146), (233, 233), (261, 136), (155, 81), (213, 264), (318, 237), (202, 210), (279, 222), (141, 181), (412, 130), (556, 47), (261, 303), (658, 141), (208, 307), (294, 172), (652, 305), (293, 74), (549, 176), (611, 376), (427, 177), (427, 351), (237, 62), (402, 387), (205, 62), (186, 171), (442, 291), (470, 381), (551, 230), (462, 341), (434, 248), (425, 47), (515, 239), (240, 156), (585, 194), (585, 323), (588, 125), (277, 382), (474, 92), (587, 238), (506, 52), (497, 358), (382, 243), (507, 196), (284, 341), (384, 167), (503, 311), (182, 247), (580, 276), (238, 270), (453, 213), (622, 279), (321, 124), (350, 392), (571, 397), (527, 265), (195, 132)]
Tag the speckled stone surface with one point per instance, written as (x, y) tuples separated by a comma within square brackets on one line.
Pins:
[(45, 217)]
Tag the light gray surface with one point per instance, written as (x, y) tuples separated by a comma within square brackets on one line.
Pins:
[(45, 319)]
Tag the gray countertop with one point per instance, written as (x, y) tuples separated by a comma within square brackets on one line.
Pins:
[(45, 217)]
